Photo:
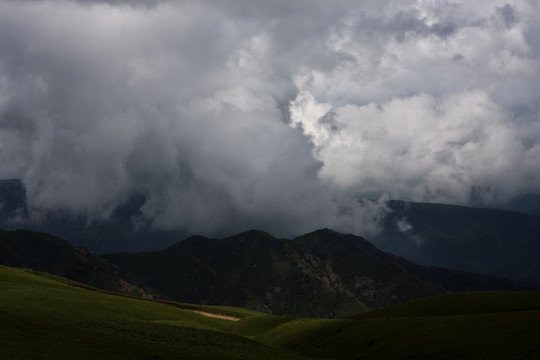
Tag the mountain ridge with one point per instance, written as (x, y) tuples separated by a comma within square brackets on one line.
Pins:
[(44, 252), (484, 240), (323, 274)]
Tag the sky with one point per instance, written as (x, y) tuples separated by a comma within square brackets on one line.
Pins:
[(278, 115)]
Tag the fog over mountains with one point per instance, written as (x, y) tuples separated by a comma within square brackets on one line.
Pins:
[(489, 241), (222, 116)]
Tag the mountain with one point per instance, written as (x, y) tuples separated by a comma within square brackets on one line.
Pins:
[(488, 241), (320, 274), (44, 252)]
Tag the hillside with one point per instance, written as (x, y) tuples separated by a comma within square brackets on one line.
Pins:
[(488, 241), (44, 252), (321, 274), (49, 318), (46, 317), (487, 325)]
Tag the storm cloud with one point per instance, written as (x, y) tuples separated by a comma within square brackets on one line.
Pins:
[(229, 115)]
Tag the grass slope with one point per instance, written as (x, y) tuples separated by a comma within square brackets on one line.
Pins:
[(480, 325), (46, 317)]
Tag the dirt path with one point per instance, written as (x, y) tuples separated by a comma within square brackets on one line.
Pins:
[(217, 316), (197, 310), (192, 309)]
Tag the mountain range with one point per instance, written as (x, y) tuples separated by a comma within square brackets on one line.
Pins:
[(320, 274), (489, 241)]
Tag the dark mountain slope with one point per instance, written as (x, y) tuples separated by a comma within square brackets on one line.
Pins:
[(44, 252), (320, 274), (487, 241), (252, 269)]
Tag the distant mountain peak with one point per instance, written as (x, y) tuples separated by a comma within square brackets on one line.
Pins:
[(324, 231), (326, 237), (253, 234), (192, 240)]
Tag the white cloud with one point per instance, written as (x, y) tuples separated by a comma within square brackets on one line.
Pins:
[(421, 147), (403, 226), (270, 114)]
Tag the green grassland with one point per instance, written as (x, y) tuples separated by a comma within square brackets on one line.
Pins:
[(44, 318), (47, 317)]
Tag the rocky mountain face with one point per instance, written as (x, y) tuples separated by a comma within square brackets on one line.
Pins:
[(321, 274)]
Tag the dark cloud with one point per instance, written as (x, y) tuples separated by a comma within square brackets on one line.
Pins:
[(412, 23), (507, 14), (273, 114)]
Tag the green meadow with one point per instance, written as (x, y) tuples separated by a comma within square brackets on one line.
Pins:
[(47, 317)]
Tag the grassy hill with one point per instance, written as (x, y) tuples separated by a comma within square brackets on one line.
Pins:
[(46, 317), (43, 317)]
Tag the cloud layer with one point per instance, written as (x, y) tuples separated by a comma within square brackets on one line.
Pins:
[(237, 114)]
